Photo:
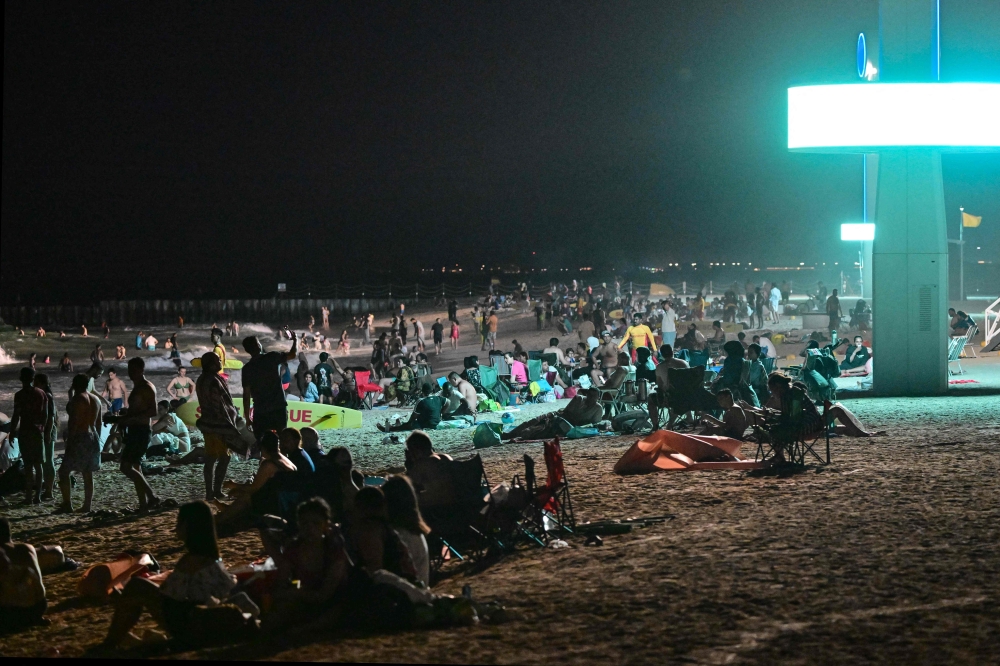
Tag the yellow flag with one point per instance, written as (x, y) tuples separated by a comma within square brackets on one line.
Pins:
[(971, 220)]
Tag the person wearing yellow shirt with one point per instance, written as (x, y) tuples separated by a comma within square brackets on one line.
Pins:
[(220, 351), (639, 334)]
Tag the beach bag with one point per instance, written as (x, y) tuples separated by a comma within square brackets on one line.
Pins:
[(630, 422), (12, 479), (487, 435), (100, 580)]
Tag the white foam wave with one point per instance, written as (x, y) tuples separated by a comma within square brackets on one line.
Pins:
[(6, 358), (257, 328)]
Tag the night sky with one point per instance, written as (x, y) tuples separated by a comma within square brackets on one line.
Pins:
[(168, 149)]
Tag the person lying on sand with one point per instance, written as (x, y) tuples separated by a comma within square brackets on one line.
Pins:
[(51, 559), (734, 421), (582, 410)]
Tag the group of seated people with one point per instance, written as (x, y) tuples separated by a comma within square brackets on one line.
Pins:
[(347, 553)]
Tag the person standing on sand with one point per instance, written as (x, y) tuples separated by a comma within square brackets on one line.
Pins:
[(418, 333), (181, 387), (262, 383), (437, 330), (115, 391), (217, 423), (27, 426), (83, 445), (137, 420)]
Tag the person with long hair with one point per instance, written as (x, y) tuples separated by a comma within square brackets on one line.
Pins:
[(372, 544), (404, 517), (197, 578)]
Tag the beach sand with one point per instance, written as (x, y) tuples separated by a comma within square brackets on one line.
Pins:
[(887, 554)]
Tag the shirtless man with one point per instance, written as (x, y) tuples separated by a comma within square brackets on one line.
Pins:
[(466, 390), (115, 392), (83, 444), (181, 387), (734, 421), (607, 354), (97, 357), (553, 348), (22, 594), (137, 421), (582, 410)]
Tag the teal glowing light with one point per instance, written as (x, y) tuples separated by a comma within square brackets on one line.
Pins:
[(864, 117), (857, 232)]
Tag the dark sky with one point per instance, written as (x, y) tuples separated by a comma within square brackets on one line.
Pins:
[(158, 148)]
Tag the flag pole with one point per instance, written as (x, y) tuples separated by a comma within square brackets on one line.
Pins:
[(961, 255)]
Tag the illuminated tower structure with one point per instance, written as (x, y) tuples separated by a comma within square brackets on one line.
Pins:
[(909, 119)]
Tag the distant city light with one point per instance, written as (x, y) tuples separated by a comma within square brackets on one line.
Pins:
[(869, 115)]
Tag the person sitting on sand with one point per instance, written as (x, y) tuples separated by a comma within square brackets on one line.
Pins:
[(734, 420), (371, 543), (856, 355), (310, 444), (198, 579), (798, 416), (22, 593), (317, 559), (83, 444), (290, 445), (256, 495), (426, 413), (169, 430), (585, 409), (403, 512), (466, 390)]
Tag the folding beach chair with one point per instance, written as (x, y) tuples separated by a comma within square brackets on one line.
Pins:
[(955, 347), (688, 393), (702, 358), (970, 335), (613, 394), (768, 363), (550, 501), (366, 390), (801, 447), (459, 513)]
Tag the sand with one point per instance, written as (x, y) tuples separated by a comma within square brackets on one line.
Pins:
[(887, 554)]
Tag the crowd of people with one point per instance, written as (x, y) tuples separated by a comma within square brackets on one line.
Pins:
[(356, 550)]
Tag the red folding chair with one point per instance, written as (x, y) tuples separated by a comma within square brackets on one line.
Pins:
[(366, 390), (551, 500)]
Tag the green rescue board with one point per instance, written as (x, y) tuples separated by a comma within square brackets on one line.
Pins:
[(300, 415)]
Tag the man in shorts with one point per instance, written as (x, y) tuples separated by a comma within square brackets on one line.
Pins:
[(27, 425), (418, 332), (491, 330), (437, 329), (323, 377), (607, 355), (83, 444), (181, 387), (115, 392), (262, 385), (137, 419)]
